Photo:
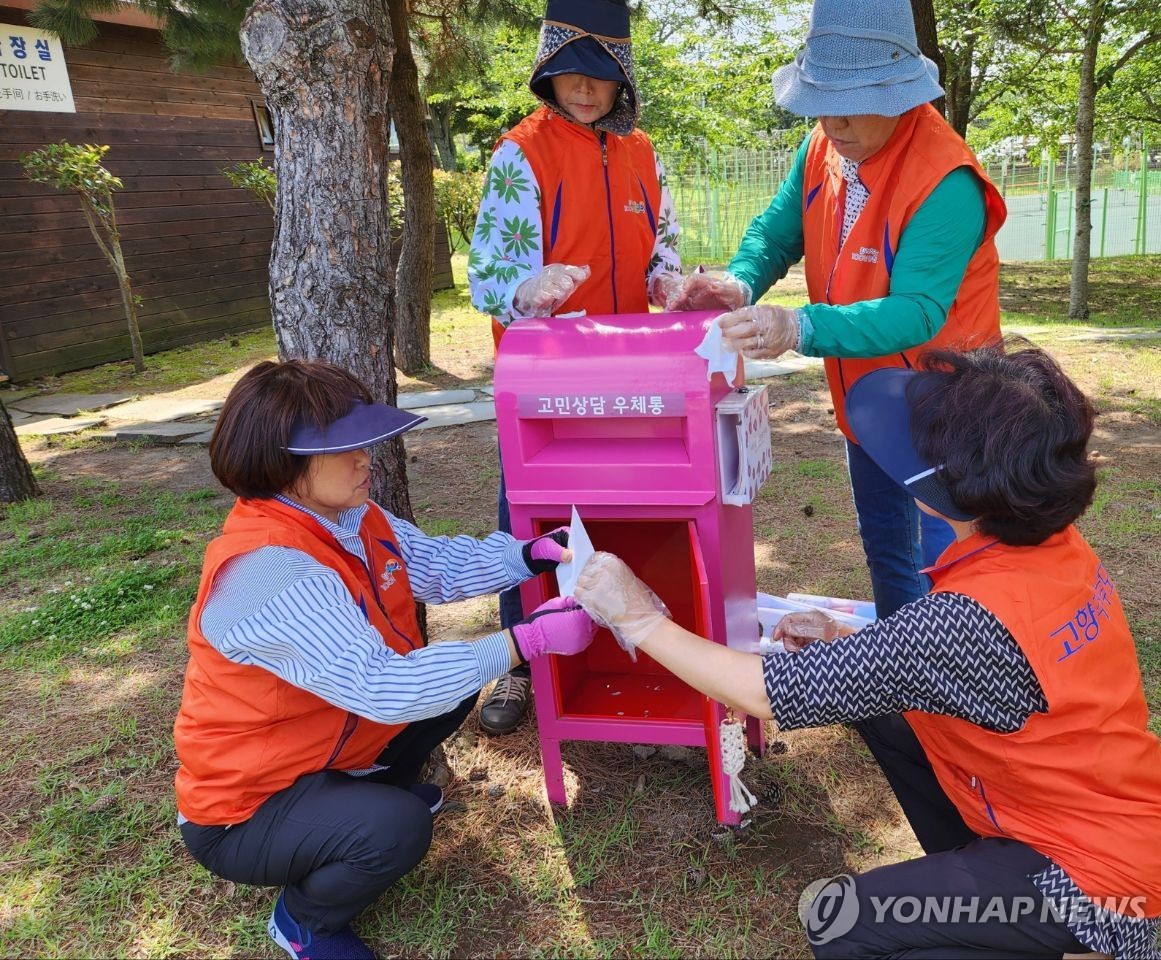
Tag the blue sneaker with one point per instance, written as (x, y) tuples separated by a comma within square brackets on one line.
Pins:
[(301, 944), (430, 794)]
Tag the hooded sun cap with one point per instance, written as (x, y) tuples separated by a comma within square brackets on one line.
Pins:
[(366, 425), (860, 58), (879, 412), (590, 37)]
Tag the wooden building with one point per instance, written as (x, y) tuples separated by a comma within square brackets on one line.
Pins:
[(197, 249)]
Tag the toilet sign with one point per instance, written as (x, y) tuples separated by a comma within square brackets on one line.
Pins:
[(33, 73)]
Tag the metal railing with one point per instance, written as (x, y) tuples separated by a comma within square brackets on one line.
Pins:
[(718, 193)]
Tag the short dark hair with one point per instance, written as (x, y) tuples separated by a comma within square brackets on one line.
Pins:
[(1011, 432), (248, 448)]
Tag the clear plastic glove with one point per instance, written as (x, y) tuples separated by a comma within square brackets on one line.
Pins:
[(616, 599), (708, 291), (544, 553), (540, 295), (759, 332), (801, 628), (559, 626), (663, 288)]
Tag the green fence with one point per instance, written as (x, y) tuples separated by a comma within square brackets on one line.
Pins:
[(717, 195)]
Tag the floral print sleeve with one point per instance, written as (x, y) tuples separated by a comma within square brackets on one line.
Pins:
[(665, 257), (506, 246)]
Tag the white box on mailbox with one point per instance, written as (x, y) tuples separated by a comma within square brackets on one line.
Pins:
[(743, 438)]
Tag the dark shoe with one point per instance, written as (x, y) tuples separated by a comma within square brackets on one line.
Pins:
[(430, 794), (503, 709), (301, 944)]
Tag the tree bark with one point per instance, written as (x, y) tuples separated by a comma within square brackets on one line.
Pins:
[(16, 479), (325, 67), (957, 81), (923, 11), (413, 276), (441, 136), (1085, 109)]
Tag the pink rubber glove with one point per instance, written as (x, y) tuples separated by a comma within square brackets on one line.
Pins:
[(541, 294), (759, 332), (559, 626), (544, 553), (707, 291), (802, 627)]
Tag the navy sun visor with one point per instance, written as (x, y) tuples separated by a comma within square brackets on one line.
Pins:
[(584, 56), (366, 425), (880, 418)]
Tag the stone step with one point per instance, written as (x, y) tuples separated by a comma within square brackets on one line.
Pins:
[(69, 404)]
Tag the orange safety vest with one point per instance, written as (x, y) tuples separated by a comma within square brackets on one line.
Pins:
[(599, 203), (922, 151), (1081, 783), (242, 733)]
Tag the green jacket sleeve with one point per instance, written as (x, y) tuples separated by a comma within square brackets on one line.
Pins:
[(773, 241), (934, 250)]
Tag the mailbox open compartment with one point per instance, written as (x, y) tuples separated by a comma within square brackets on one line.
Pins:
[(603, 681)]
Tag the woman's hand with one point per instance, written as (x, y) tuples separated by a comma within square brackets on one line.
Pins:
[(616, 599), (759, 332), (544, 553), (663, 288), (800, 628), (541, 294), (559, 626), (705, 291)]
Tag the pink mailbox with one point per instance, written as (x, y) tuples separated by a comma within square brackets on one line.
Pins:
[(615, 415)]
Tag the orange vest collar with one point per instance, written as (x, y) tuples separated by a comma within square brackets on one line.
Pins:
[(959, 550)]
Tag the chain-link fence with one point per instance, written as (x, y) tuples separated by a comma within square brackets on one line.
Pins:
[(719, 193)]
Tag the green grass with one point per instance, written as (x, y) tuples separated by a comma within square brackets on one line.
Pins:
[(170, 369), (90, 858)]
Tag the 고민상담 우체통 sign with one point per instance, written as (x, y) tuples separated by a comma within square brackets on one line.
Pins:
[(33, 74)]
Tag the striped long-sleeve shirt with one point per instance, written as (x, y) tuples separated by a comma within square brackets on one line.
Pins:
[(280, 609)]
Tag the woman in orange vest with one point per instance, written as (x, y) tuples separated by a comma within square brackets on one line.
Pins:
[(895, 221), (1017, 674), (575, 216), (311, 701)]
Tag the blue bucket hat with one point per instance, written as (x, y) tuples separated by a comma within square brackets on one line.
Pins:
[(365, 425), (861, 57), (879, 412), (589, 37)]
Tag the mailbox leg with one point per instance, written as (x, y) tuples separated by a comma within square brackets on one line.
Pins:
[(553, 770), (756, 736), (714, 714)]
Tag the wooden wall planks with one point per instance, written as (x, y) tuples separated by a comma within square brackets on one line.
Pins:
[(197, 249)]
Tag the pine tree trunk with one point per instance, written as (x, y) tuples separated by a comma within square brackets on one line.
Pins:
[(413, 277), (1085, 108), (325, 69), (960, 92), (441, 136), (923, 12), (16, 479)]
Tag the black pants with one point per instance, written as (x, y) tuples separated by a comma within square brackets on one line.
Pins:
[(511, 608), (959, 868), (335, 842)]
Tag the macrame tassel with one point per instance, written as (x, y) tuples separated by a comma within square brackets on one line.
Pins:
[(732, 736)]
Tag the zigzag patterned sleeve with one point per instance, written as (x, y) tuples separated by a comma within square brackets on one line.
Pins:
[(944, 653)]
